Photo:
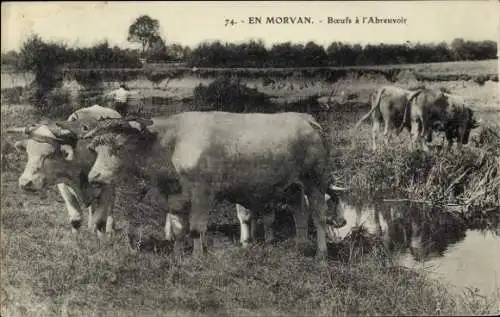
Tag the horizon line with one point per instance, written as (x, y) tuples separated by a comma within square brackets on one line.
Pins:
[(135, 46)]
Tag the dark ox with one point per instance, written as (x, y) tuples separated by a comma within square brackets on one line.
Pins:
[(248, 159), (57, 157), (432, 109)]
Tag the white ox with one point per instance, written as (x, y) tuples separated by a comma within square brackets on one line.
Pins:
[(56, 156), (388, 108), (248, 159)]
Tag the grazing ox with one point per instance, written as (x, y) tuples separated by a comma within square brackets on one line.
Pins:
[(55, 156), (431, 108), (388, 107), (248, 159)]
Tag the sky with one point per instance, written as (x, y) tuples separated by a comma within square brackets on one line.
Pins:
[(189, 23)]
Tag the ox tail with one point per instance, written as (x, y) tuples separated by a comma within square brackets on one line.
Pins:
[(375, 105), (412, 96), (323, 133)]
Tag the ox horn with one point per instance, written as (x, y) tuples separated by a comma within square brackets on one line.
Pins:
[(333, 187), (25, 130), (17, 130)]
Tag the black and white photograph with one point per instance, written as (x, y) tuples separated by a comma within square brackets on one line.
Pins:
[(250, 158)]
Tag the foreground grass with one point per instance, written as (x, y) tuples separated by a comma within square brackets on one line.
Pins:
[(48, 272)]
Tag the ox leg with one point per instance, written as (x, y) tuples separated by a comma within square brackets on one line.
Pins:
[(101, 212), (301, 219), (72, 205), (387, 134), (375, 131), (175, 226), (415, 135), (318, 210), (202, 202), (357, 208), (426, 129), (268, 218), (103, 218), (175, 229), (247, 225)]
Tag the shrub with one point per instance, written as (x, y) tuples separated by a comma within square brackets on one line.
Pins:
[(226, 94), (42, 59), (59, 103), (90, 79), (12, 95)]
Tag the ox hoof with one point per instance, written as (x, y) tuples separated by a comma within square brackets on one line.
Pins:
[(100, 234), (305, 248), (321, 256), (75, 225), (246, 244), (110, 234)]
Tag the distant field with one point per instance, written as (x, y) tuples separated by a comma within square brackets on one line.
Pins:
[(431, 71)]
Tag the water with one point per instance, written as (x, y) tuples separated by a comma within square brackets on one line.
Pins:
[(442, 243)]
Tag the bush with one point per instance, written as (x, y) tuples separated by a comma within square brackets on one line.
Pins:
[(59, 103), (89, 79), (226, 94), (12, 95)]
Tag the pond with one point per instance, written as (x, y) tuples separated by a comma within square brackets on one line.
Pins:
[(443, 243)]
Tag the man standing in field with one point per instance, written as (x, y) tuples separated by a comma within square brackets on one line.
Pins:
[(120, 98)]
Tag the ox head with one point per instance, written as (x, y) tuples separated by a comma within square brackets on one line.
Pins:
[(109, 142), (472, 123), (49, 148), (335, 218)]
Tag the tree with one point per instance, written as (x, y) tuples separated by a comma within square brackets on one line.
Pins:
[(144, 30), (43, 60), (177, 52), (157, 50)]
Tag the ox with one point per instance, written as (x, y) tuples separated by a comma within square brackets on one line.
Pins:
[(55, 156), (388, 107), (431, 108), (248, 159)]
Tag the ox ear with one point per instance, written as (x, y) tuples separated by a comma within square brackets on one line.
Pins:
[(61, 131), (20, 145), (136, 125), (139, 123), (67, 152), (73, 117)]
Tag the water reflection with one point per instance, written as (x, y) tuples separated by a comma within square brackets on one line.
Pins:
[(424, 231), (464, 250)]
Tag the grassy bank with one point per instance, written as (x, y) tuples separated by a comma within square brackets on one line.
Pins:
[(48, 272)]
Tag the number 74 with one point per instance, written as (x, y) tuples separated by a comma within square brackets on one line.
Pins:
[(229, 22)]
